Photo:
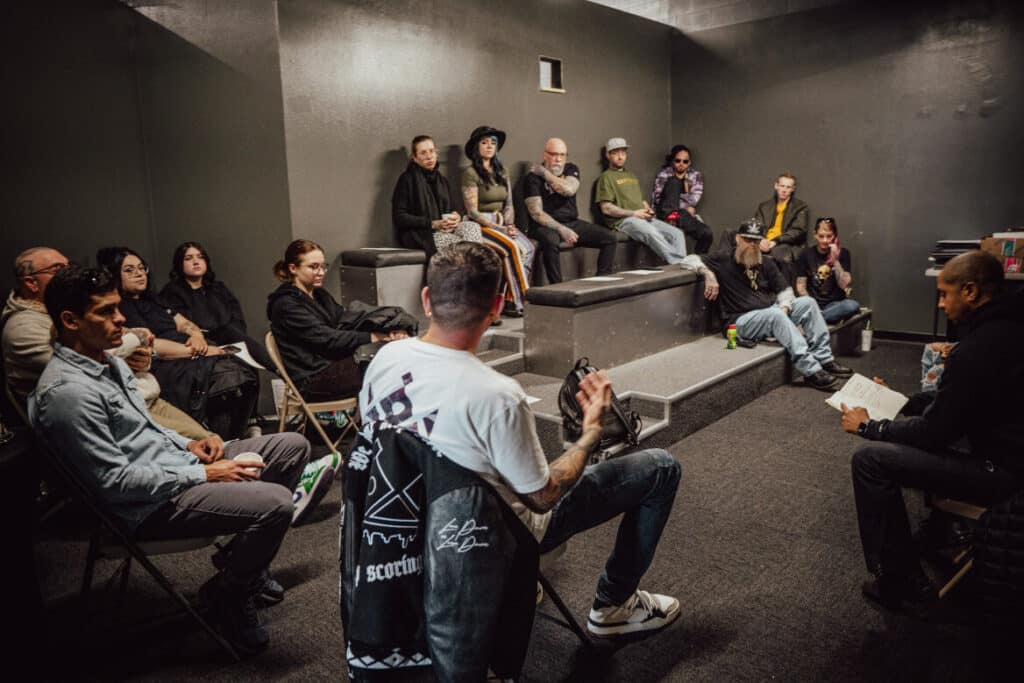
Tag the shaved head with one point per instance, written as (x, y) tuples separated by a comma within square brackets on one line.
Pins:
[(33, 269), (978, 267), (556, 146), (555, 154)]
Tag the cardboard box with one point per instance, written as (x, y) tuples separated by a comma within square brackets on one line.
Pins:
[(1010, 252)]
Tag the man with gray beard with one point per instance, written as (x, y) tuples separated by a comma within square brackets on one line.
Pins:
[(757, 299)]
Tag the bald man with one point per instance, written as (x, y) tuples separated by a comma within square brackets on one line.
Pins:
[(550, 191), (975, 399)]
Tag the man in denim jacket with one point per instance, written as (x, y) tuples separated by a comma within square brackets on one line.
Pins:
[(87, 409)]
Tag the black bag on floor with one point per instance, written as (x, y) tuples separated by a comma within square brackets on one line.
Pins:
[(619, 426)]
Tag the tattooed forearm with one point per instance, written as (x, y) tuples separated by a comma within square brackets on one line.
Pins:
[(535, 206), (613, 211), (564, 472), (469, 198)]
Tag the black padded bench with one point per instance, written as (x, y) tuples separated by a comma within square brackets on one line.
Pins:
[(612, 322), (384, 277)]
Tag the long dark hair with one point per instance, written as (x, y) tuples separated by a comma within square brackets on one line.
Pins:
[(496, 176), (111, 259), (676, 150), (292, 253), (177, 273)]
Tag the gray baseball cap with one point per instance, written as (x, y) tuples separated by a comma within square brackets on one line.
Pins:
[(616, 143)]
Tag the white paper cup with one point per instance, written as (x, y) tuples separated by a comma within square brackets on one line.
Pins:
[(865, 339), (250, 457)]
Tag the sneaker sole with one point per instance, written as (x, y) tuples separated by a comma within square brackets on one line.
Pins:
[(651, 624), (320, 489)]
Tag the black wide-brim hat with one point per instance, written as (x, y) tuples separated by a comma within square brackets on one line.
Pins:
[(483, 132)]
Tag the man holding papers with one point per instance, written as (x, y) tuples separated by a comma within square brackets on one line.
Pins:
[(974, 400)]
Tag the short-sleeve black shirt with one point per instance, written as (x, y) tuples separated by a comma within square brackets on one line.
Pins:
[(738, 293), (821, 277), (561, 208)]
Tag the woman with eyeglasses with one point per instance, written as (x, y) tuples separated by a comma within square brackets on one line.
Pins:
[(314, 333), (823, 272), (198, 377), (678, 188), (196, 294)]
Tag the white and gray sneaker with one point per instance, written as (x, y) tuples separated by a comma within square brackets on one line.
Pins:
[(313, 486), (643, 611)]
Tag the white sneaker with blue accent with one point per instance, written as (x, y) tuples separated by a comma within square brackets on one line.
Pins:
[(313, 486), (643, 611)]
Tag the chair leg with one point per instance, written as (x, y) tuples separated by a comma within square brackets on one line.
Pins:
[(570, 619), (956, 578), (319, 428), (90, 565), (186, 605), (123, 587)]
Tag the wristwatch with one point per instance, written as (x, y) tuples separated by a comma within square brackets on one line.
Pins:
[(862, 428)]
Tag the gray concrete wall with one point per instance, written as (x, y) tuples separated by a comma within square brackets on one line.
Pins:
[(73, 168), (901, 120), (213, 128), (361, 78)]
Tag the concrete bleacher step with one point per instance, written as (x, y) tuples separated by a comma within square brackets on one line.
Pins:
[(682, 389)]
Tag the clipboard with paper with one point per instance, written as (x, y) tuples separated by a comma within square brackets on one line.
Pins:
[(882, 403)]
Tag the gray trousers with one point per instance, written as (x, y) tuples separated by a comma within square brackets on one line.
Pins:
[(259, 512)]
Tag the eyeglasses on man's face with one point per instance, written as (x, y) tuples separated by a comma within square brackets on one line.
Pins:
[(52, 269)]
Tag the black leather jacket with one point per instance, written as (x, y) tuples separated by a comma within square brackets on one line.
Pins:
[(436, 570)]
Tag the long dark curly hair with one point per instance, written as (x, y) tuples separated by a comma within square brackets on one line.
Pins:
[(496, 176)]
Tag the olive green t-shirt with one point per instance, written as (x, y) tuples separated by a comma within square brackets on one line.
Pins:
[(489, 198), (622, 189)]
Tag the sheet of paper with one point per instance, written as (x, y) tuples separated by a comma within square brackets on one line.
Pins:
[(640, 271), (242, 354), (600, 278), (882, 403)]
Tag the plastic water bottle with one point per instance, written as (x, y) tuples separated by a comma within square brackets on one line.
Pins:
[(731, 336)]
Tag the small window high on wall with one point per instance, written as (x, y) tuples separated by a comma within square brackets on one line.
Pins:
[(551, 75)]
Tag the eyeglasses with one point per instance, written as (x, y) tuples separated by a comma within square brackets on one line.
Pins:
[(318, 267), (131, 270), (682, 161), (49, 270)]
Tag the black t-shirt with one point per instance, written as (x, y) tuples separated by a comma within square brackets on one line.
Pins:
[(739, 293), (559, 207), (821, 277)]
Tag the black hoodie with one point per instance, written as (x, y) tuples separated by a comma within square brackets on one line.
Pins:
[(309, 331), (978, 394)]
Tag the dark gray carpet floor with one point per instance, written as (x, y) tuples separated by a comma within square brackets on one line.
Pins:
[(761, 550)]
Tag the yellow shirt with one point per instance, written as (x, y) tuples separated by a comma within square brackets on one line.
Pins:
[(776, 229)]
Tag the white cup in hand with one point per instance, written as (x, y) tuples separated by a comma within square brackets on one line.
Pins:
[(250, 457)]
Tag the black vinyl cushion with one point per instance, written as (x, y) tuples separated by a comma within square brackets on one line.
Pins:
[(382, 258), (577, 293)]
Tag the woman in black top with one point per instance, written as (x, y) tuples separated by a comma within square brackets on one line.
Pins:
[(200, 378), (195, 293), (316, 336), (823, 272)]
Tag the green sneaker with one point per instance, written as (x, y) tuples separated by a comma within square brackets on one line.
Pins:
[(313, 486)]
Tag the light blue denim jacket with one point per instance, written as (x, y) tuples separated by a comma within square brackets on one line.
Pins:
[(92, 416)]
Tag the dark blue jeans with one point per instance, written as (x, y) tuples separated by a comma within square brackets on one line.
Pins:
[(641, 487)]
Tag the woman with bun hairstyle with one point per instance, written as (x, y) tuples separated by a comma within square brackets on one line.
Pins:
[(316, 335), (487, 194), (194, 292), (196, 376)]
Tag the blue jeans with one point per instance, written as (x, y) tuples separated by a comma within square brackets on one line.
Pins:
[(667, 242), (808, 354), (641, 487), (834, 311)]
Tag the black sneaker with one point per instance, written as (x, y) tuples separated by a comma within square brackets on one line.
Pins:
[(267, 591), (911, 595), (234, 614), (834, 368), (822, 381)]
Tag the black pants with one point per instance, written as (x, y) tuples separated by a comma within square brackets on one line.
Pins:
[(880, 473), (341, 379), (696, 230), (590, 236)]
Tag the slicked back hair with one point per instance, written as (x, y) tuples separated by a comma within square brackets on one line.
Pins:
[(979, 267), (73, 288), (463, 280)]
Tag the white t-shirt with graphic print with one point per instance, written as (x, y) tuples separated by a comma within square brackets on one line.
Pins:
[(472, 414)]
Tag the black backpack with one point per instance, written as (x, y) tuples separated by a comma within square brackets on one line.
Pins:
[(619, 426)]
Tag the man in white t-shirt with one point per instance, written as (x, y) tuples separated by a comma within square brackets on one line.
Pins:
[(480, 419)]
